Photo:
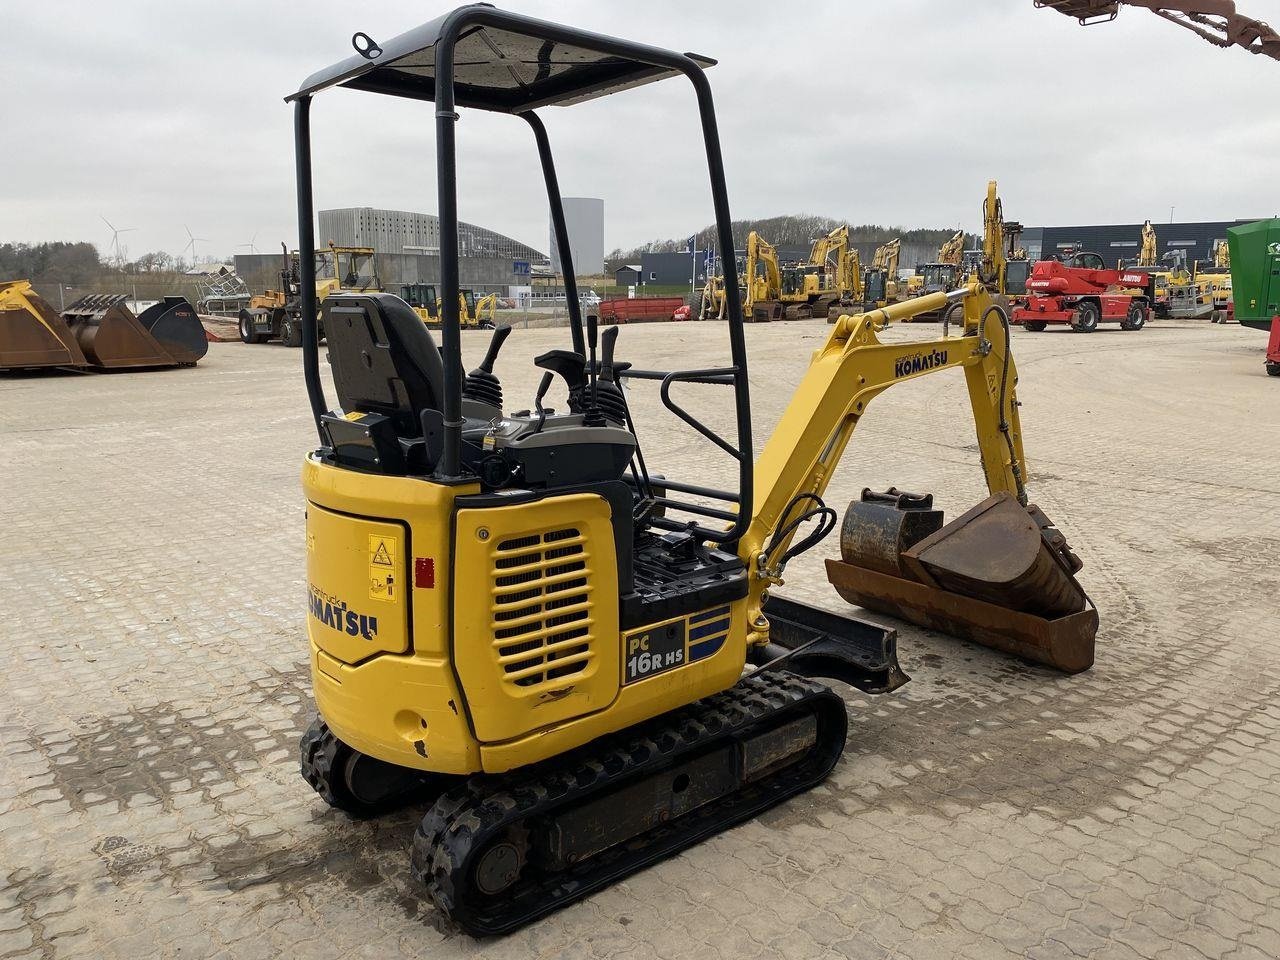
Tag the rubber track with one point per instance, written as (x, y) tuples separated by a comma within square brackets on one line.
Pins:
[(468, 817), (318, 754)]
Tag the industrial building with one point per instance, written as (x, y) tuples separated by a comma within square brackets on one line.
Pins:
[(1117, 242), (407, 245), (584, 220)]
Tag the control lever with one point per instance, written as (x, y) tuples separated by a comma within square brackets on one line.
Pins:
[(607, 340), (609, 398), (591, 416), (569, 365), (543, 387), (481, 384)]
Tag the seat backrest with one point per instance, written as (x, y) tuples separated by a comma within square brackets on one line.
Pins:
[(384, 359)]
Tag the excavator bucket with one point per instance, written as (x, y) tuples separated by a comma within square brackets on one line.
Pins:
[(31, 332), (166, 334), (1000, 575)]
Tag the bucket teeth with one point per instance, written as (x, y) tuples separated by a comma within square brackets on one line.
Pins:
[(166, 334)]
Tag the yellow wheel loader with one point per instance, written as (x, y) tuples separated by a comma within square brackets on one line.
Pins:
[(576, 662), (276, 314)]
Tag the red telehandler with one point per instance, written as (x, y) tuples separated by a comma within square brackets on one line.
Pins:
[(1081, 291)]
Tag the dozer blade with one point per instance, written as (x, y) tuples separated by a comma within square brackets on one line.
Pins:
[(113, 338), (31, 332), (816, 643), (1000, 575)]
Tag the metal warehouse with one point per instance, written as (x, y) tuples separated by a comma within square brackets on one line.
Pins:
[(1122, 241)]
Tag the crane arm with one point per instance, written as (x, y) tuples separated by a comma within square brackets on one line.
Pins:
[(1213, 20)]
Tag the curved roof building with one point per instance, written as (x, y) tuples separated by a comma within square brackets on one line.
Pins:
[(401, 231)]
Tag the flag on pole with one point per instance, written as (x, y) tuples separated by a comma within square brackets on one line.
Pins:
[(693, 244)]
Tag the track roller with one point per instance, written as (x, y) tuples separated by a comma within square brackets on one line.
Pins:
[(498, 852)]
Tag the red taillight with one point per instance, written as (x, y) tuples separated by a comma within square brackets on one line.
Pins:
[(424, 572)]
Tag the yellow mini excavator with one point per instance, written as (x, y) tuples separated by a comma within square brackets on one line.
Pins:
[(474, 313), (578, 663)]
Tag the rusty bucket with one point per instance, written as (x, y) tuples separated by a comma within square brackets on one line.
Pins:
[(1000, 575), (167, 334), (31, 332)]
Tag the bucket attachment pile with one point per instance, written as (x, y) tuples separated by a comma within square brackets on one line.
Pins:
[(166, 334), (1000, 575), (31, 332)]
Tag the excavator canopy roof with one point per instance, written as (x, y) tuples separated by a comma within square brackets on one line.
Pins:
[(501, 63)]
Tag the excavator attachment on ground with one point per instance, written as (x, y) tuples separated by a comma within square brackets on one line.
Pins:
[(31, 332), (166, 334), (1000, 575)]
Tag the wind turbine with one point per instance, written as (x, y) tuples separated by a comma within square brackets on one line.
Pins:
[(115, 239), (250, 244), (191, 243)]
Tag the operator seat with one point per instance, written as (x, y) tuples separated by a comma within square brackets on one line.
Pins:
[(384, 359)]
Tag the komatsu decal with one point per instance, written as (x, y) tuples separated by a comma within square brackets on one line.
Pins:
[(336, 615), (919, 363)]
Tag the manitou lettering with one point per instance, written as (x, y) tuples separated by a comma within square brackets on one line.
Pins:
[(335, 614), (919, 363)]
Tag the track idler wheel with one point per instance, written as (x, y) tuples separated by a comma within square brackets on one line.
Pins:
[(356, 783)]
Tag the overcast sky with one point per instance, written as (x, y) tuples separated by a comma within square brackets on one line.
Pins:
[(159, 116)]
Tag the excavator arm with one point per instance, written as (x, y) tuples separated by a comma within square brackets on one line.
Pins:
[(849, 274), (1147, 253), (991, 269), (761, 252), (953, 250), (1213, 20), (845, 375)]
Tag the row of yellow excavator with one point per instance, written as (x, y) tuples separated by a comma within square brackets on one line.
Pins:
[(831, 277), (832, 280), (1199, 289), (97, 332), (276, 314)]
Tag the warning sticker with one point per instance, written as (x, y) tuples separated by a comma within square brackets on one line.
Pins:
[(382, 551), (381, 586), (382, 565)]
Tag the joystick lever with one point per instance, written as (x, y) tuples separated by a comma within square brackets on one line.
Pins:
[(543, 387), (481, 384), (591, 416), (607, 340)]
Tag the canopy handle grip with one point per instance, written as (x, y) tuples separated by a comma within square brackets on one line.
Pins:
[(365, 45)]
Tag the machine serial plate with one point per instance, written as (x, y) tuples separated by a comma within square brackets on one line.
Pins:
[(654, 651)]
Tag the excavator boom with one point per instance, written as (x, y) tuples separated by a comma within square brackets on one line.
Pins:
[(1213, 20)]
